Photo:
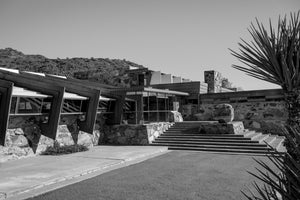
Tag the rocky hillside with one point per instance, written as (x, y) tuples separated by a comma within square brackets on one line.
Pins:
[(103, 70)]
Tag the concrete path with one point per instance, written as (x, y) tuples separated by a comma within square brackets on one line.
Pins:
[(176, 175), (28, 177)]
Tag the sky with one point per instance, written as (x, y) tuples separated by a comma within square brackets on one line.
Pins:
[(180, 37)]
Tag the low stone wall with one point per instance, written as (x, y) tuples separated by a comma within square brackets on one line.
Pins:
[(127, 134), (267, 117), (24, 138), (260, 110), (221, 128)]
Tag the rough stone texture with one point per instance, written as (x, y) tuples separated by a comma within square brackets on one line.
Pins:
[(222, 128), (14, 153), (127, 134), (266, 117), (213, 80), (188, 112), (44, 142), (24, 135), (223, 112), (156, 129), (64, 136), (175, 116), (87, 139)]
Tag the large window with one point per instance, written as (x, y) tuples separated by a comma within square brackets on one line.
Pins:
[(129, 112), (30, 106), (107, 108), (72, 106), (42, 106), (156, 106)]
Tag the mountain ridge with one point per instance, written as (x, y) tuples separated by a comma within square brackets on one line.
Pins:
[(103, 70)]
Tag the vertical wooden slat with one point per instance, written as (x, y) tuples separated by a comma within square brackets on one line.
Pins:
[(48, 129), (5, 101), (93, 95)]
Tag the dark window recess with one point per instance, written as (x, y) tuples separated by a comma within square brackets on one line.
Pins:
[(84, 105), (222, 99), (275, 99), (29, 105), (106, 106), (239, 101), (145, 103), (129, 106), (13, 105), (46, 105), (141, 79), (257, 97), (152, 103), (71, 106), (161, 103), (192, 101)]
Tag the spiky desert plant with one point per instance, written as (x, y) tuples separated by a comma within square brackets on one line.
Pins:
[(282, 180), (274, 57)]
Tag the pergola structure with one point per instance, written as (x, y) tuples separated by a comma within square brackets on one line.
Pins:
[(50, 96), (20, 89)]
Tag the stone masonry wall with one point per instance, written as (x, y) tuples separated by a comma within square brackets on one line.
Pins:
[(23, 136), (127, 134), (265, 116)]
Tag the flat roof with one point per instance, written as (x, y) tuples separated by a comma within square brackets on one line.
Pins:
[(22, 92), (150, 89)]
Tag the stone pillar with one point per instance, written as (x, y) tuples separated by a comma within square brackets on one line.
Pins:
[(155, 78), (213, 80), (177, 79), (166, 78)]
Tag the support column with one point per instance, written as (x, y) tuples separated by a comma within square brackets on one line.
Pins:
[(5, 101)]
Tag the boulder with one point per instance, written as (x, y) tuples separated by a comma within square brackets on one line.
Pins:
[(85, 139), (63, 136), (223, 112)]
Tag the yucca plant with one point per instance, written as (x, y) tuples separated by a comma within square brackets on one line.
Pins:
[(282, 180), (274, 57)]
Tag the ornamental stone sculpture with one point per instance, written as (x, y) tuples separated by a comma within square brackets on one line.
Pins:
[(223, 113)]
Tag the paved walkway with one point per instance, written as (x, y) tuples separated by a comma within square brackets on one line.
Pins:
[(176, 175), (28, 177)]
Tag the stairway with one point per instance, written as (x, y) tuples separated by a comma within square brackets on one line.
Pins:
[(186, 136)]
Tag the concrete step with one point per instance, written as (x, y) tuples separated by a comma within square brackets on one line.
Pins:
[(204, 140), (278, 144), (260, 138), (251, 134), (210, 143), (202, 136), (270, 139), (220, 150), (213, 146), (246, 133), (186, 136)]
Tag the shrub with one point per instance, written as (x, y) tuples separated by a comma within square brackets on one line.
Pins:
[(56, 149)]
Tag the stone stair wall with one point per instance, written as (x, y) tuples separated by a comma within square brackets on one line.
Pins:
[(190, 136)]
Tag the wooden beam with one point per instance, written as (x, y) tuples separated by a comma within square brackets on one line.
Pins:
[(105, 89), (48, 129), (118, 117), (93, 95), (5, 101)]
